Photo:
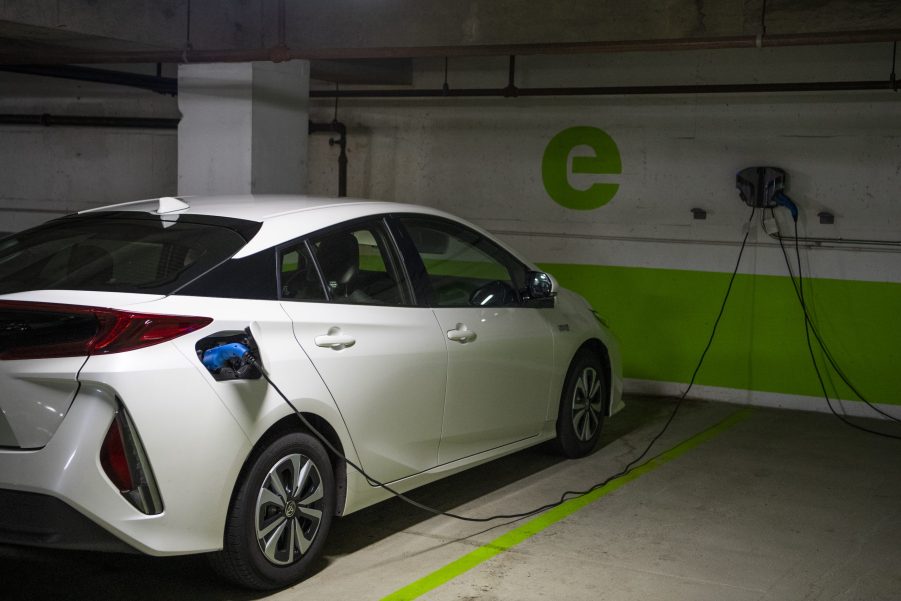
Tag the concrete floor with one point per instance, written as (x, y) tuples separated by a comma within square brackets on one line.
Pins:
[(783, 505)]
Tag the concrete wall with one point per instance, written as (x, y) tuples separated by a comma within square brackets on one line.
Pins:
[(656, 273), (46, 172), (243, 128), (641, 259)]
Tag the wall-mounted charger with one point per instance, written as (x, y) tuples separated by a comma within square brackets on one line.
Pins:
[(758, 186)]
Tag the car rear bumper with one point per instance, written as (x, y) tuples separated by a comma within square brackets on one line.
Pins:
[(194, 446), (39, 520)]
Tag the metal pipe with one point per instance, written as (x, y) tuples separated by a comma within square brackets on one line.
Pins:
[(822, 86), (277, 54), (862, 244), (282, 28), (816, 242), (870, 246), (511, 91), (159, 84), (169, 85), (340, 129), (82, 121)]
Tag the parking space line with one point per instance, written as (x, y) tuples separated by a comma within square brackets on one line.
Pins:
[(536, 525)]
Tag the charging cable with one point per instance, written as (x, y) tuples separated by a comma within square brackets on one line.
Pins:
[(809, 327), (568, 495)]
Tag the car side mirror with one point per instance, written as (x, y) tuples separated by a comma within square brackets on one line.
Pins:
[(538, 286)]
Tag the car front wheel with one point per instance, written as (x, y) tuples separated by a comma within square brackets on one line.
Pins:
[(280, 515), (581, 414)]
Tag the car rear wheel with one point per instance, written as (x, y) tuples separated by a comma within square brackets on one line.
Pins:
[(280, 516), (581, 415)]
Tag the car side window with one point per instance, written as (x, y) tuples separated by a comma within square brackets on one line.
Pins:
[(298, 278), (358, 266), (464, 268)]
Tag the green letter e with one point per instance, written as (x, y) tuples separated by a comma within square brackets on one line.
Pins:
[(554, 166)]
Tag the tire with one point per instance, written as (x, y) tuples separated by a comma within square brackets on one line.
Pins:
[(280, 515), (582, 403)]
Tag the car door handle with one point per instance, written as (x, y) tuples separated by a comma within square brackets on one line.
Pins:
[(335, 339), (461, 334)]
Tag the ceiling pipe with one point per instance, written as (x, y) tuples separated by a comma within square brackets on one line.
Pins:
[(279, 53), (81, 121), (507, 92), (155, 83), (339, 128)]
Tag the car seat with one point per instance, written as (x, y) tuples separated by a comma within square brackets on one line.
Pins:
[(339, 259)]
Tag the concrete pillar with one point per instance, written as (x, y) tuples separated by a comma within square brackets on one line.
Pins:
[(243, 128)]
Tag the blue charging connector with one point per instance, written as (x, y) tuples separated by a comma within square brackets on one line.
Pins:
[(226, 355), (784, 201), (231, 361)]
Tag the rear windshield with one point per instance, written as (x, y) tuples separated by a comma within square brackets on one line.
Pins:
[(119, 252)]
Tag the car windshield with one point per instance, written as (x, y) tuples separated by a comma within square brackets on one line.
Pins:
[(118, 252)]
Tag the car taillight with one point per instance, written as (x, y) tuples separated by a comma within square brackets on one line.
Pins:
[(125, 463), (113, 459), (30, 330)]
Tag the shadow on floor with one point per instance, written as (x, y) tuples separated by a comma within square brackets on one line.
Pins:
[(44, 574)]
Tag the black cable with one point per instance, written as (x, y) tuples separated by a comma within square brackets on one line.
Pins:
[(445, 88), (799, 292), (894, 81), (188, 27), (372, 481), (570, 494), (808, 327), (808, 321), (631, 465)]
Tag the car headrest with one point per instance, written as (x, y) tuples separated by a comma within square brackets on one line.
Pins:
[(339, 258)]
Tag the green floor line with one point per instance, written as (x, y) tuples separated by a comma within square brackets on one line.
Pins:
[(536, 525)]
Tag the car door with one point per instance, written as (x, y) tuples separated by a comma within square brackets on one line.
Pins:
[(500, 352), (382, 357)]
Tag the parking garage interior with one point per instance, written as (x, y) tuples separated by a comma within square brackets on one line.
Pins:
[(612, 143)]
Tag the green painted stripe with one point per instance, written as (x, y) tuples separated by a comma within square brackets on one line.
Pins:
[(550, 517), (662, 318)]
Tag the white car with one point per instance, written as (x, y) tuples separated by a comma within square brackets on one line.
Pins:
[(412, 341)]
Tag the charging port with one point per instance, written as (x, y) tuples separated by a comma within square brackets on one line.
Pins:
[(229, 355)]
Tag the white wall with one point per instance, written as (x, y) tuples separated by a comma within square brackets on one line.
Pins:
[(46, 172), (482, 158), (243, 128), (641, 259)]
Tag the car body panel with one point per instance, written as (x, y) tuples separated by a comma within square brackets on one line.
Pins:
[(37, 393), (365, 494), (389, 384), (194, 467), (497, 383), (436, 408), (584, 326)]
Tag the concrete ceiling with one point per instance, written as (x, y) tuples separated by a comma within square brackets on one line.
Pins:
[(122, 31)]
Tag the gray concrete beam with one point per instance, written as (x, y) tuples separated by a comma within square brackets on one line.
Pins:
[(317, 29), (346, 23), (155, 23), (137, 24), (809, 16)]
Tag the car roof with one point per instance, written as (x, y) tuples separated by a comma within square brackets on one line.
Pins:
[(283, 216), (247, 206)]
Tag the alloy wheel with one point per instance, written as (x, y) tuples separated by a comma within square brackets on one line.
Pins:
[(586, 404), (289, 509)]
